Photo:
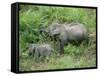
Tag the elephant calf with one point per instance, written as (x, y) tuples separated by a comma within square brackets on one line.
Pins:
[(40, 50)]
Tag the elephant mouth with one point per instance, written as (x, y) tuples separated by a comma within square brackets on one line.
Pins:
[(54, 34)]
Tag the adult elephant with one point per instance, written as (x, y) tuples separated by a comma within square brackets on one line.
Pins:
[(66, 33)]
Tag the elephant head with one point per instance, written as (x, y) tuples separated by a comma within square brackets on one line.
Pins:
[(31, 49), (52, 31)]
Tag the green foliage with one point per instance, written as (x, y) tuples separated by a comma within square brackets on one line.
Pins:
[(31, 17)]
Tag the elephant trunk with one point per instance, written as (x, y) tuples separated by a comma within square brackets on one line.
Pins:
[(43, 31)]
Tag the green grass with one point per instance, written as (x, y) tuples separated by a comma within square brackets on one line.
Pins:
[(32, 17)]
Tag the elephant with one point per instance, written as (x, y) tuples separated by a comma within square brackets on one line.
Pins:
[(65, 33), (40, 50)]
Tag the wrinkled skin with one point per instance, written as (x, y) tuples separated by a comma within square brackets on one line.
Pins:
[(40, 50), (66, 33)]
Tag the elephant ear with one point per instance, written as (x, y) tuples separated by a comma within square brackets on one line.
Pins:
[(55, 32), (63, 37)]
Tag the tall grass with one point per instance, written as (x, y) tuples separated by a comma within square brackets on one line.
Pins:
[(31, 17)]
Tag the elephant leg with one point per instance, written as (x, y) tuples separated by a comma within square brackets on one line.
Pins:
[(36, 55), (61, 47)]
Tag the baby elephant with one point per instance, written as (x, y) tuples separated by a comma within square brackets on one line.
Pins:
[(40, 51)]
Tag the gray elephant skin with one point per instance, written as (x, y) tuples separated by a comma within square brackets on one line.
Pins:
[(65, 33), (40, 50)]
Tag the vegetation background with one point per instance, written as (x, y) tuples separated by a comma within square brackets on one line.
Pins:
[(31, 17)]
